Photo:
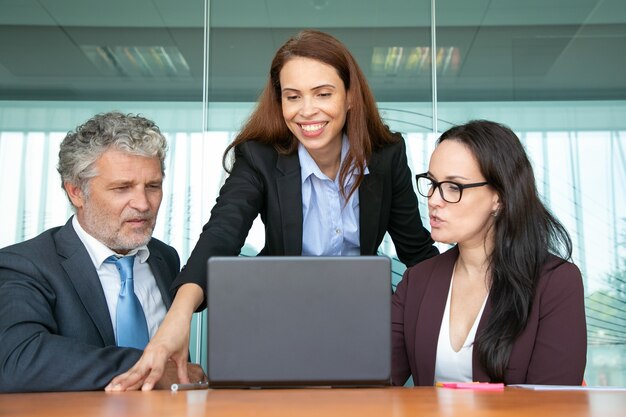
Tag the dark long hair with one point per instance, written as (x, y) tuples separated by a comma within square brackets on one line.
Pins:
[(364, 127), (525, 234)]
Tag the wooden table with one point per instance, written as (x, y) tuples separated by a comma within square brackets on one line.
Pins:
[(379, 402)]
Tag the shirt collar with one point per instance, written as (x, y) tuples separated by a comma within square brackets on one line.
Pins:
[(308, 166), (98, 251)]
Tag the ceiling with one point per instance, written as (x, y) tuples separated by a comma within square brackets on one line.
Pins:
[(489, 50)]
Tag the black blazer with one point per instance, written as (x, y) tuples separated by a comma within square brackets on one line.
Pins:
[(551, 349), (263, 181), (55, 329)]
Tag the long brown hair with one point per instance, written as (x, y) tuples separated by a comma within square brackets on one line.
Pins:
[(364, 127)]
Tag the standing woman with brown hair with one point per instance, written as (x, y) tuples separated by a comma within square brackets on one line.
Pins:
[(318, 164)]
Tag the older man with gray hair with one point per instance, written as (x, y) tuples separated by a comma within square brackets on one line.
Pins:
[(79, 302)]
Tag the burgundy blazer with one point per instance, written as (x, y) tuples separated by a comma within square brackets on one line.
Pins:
[(552, 349)]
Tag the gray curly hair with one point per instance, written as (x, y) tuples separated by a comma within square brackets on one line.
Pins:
[(82, 147)]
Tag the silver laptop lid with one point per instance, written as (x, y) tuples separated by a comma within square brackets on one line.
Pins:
[(298, 321)]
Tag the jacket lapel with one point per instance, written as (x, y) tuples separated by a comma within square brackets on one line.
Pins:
[(289, 186), (84, 278), (370, 201), (430, 316), (158, 266)]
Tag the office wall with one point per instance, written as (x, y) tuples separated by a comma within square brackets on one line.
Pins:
[(553, 71)]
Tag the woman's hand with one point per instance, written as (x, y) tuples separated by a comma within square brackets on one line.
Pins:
[(170, 343)]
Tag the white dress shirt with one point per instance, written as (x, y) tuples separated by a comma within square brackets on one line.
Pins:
[(145, 284)]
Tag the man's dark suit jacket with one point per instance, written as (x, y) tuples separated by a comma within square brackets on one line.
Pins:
[(551, 349), (263, 181), (55, 328)]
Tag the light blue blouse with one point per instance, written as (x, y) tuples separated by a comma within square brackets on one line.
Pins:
[(329, 226)]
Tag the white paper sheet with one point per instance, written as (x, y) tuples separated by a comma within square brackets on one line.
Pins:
[(566, 388)]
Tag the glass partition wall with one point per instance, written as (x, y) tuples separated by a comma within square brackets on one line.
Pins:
[(552, 71)]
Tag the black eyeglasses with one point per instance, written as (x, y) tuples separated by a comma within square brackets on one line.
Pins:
[(450, 191)]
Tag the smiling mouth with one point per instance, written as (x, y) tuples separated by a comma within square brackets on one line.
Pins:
[(312, 127)]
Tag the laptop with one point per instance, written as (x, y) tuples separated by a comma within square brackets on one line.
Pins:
[(298, 321)]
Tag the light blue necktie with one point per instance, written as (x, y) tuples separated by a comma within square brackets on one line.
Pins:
[(130, 320)]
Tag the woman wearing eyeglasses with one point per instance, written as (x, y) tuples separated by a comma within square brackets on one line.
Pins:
[(500, 306)]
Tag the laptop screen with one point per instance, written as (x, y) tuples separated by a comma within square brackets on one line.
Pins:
[(298, 321)]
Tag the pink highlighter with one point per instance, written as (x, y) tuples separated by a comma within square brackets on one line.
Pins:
[(477, 386)]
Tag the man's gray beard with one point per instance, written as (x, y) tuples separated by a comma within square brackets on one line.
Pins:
[(100, 229)]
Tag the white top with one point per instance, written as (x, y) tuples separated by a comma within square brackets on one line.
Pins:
[(451, 366), (145, 284)]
